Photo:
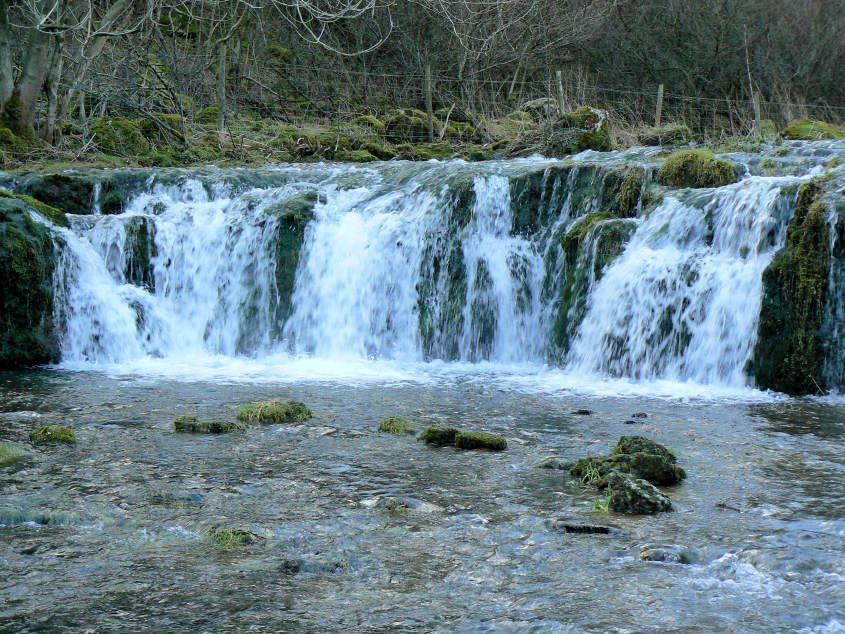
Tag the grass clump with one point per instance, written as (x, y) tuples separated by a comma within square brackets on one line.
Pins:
[(480, 440), (52, 433), (190, 425), (228, 538), (695, 168), (396, 425), (10, 453), (275, 411)]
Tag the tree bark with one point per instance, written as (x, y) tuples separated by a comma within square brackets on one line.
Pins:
[(7, 83), (30, 84), (54, 75), (221, 89)]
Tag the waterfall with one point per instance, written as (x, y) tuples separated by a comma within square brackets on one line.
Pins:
[(511, 262)]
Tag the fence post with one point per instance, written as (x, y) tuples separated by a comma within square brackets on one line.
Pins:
[(659, 110), (755, 98), (428, 108), (221, 88), (560, 105)]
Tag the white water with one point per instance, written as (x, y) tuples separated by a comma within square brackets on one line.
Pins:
[(675, 314)]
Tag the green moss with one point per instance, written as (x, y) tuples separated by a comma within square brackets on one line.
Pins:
[(56, 216), (810, 130), (668, 134), (10, 453), (408, 125), (439, 435), (440, 151), (209, 114), (635, 444), (269, 412), (790, 351), (27, 262), (369, 121), (189, 424), (582, 129), (155, 130), (119, 136), (520, 116), (579, 229), (634, 496), (354, 156), (480, 440), (52, 433), (228, 538), (396, 425), (7, 137), (695, 168)]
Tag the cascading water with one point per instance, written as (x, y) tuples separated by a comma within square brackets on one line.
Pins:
[(416, 262)]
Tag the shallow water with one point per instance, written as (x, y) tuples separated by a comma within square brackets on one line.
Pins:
[(119, 543)]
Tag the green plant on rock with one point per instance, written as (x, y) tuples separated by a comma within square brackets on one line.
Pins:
[(229, 538), (275, 411), (602, 505), (439, 435), (52, 434), (190, 425), (396, 425), (480, 440), (695, 168)]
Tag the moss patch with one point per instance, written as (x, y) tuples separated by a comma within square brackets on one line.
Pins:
[(52, 434), (810, 130), (669, 134), (56, 216), (119, 136), (439, 435), (190, 425), (789, 354), (227, 538), (582, 129), (480, 440), (695, 168), (396, 425), (270, 412)]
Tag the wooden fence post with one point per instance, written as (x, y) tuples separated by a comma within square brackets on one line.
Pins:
[(757, 117), (659, 110), (560, 99), (428, 107)]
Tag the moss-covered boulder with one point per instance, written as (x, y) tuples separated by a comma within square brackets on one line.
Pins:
[(10, 453), (27, 262), (72, 193), (480, 440), (439, 435), (556, 463), (631, 495), (209, 114), (190, 425), (276, 411), (56, 216), (163, 128), (52, 434), (811, 130), (381, 152), (582, 129), (370, 122), (354, 156), (7, 138), (636, 444), (790, 350), (396, 425), (408, 125), (668, 134), (695, 168), (119, 136)]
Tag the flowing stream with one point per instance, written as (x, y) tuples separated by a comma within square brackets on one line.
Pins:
[(432, 291)]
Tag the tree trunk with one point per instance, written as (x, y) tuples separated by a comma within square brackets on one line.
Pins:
[(29, 86), (221, 89), (54, 75), (7, 84)]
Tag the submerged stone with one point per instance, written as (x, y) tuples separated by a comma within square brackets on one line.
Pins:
[(270, 412), (439, 435), (480, 440), (396, 425), (190, 425), (667, 554), (555, 462), (635, 444), (11, 453), (582, 412), (52, 434), (634, 496)]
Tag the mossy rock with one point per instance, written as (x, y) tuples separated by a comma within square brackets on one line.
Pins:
[(628, 196), (631, 495), (381, 152), (811, 130), (270, 412), (209, 114), (396, 425), (227, 538), (72, 193), (354, 156), (635, 444), (408, 125), (56, 216), (190, 425), (540, 108), (480, 440), (583, 129), (439, 435), (7, 138), (119, 136), (519, 116), (10, 453), (27, 263), (370, 122), (790, 351), (456, 114), (668, 134), (575, 236), (695, 168), (52, 434), (155, 130)]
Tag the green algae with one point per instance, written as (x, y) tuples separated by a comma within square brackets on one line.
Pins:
[(272, 412)]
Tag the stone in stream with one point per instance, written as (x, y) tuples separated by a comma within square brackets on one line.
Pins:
[(639, 415), (582, 412), (439, 435), (634, 496), (667, 554), (396, 425), (635, 444), (555, 462), (190, 425), (480, 440), (654, 468), (275, 411), (52, 434)]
